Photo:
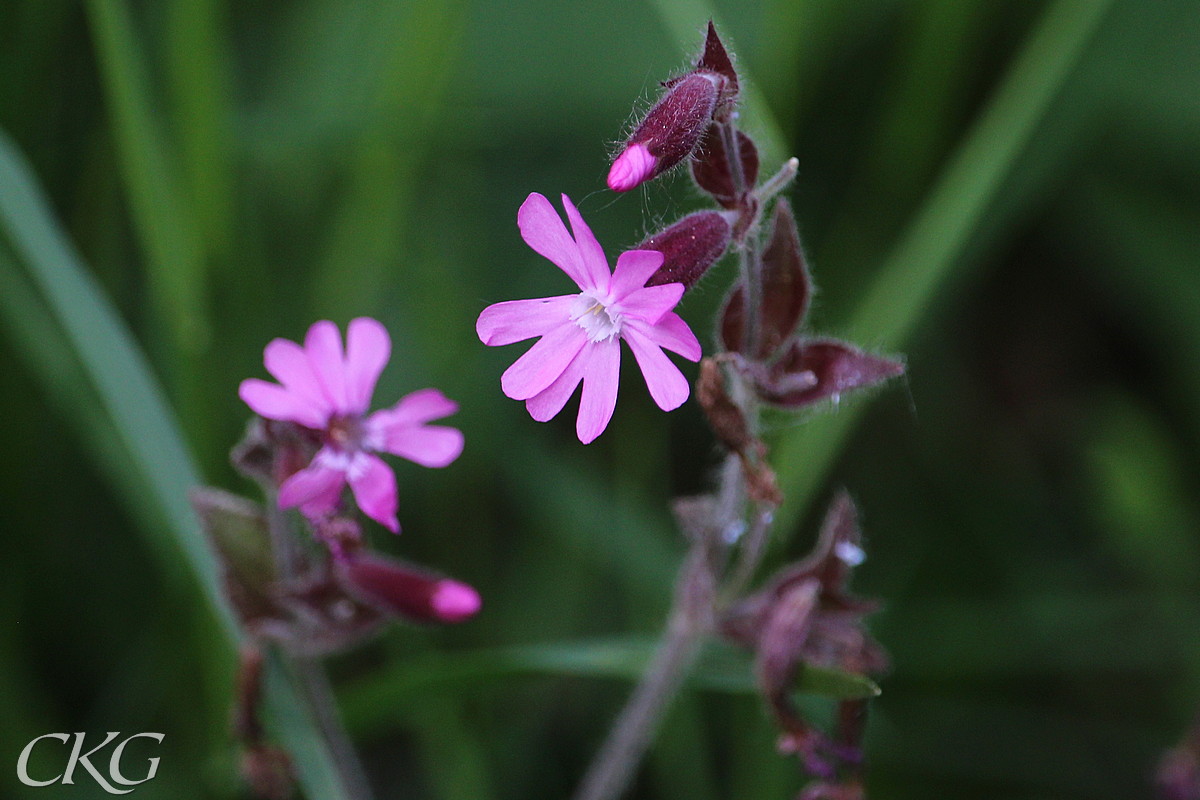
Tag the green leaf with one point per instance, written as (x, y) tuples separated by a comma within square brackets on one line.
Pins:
[(368, 703)]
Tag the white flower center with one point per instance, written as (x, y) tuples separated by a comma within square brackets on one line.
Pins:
[(351, 463), (596, 319)]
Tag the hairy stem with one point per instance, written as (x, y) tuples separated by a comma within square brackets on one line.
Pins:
[(693, 612), (749, 261), (308, 673), (689, 622)]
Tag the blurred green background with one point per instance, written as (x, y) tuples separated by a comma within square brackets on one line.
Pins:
[(1007, 193)]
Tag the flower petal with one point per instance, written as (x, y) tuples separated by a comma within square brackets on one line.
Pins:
[(517, 320), (634, 268), (316, 488), (666, 383), (323, 345), (601, 377), (273, 401), (595, 265), (427, 445), (415, 408), (401, 429), (543, 363), (368, 348), (543, 230), (634, 166), (652, 303), (374, 489), (288, 363), (546, 404), (671, 333)]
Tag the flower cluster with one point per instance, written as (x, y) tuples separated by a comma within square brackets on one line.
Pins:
[(317, 435)]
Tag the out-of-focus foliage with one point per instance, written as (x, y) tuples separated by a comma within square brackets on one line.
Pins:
[(231, 172)]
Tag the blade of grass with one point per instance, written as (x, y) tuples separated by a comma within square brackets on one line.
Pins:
[(201, 94), (368, 702), (40, 343), (167, 231), (367, 236), (158, 464), (932, 247)]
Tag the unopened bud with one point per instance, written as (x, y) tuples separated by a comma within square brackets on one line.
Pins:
[(406, 591), (689, 248), (634, 166), (669, 133)]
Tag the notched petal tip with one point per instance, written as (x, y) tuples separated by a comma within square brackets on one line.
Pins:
[(633, 167)]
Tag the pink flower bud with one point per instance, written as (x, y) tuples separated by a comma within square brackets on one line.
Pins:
[(403, 590), (634, 166), (689, 248), (669, 133)]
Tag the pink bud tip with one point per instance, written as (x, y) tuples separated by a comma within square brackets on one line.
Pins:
[(454, 602), (631, 168)]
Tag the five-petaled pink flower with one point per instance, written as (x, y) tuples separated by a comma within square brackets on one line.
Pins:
[(323, 388), (580, 332)]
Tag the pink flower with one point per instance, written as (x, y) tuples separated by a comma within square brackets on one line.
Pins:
[(322, 388), (580, 332)]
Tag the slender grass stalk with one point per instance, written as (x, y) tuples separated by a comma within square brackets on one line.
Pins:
[(175, 258), (199, 66)]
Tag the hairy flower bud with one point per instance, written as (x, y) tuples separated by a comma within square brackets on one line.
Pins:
[(400, 589), (669, 133), (676, 125), (689, 247)]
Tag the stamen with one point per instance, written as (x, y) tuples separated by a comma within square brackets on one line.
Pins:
[(591, 314)]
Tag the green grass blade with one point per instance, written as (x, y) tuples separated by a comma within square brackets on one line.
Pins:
[(932, 247), (158, 465), (199, 65), (168, 233), (368, 703), (40, 343), (367, 237)]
